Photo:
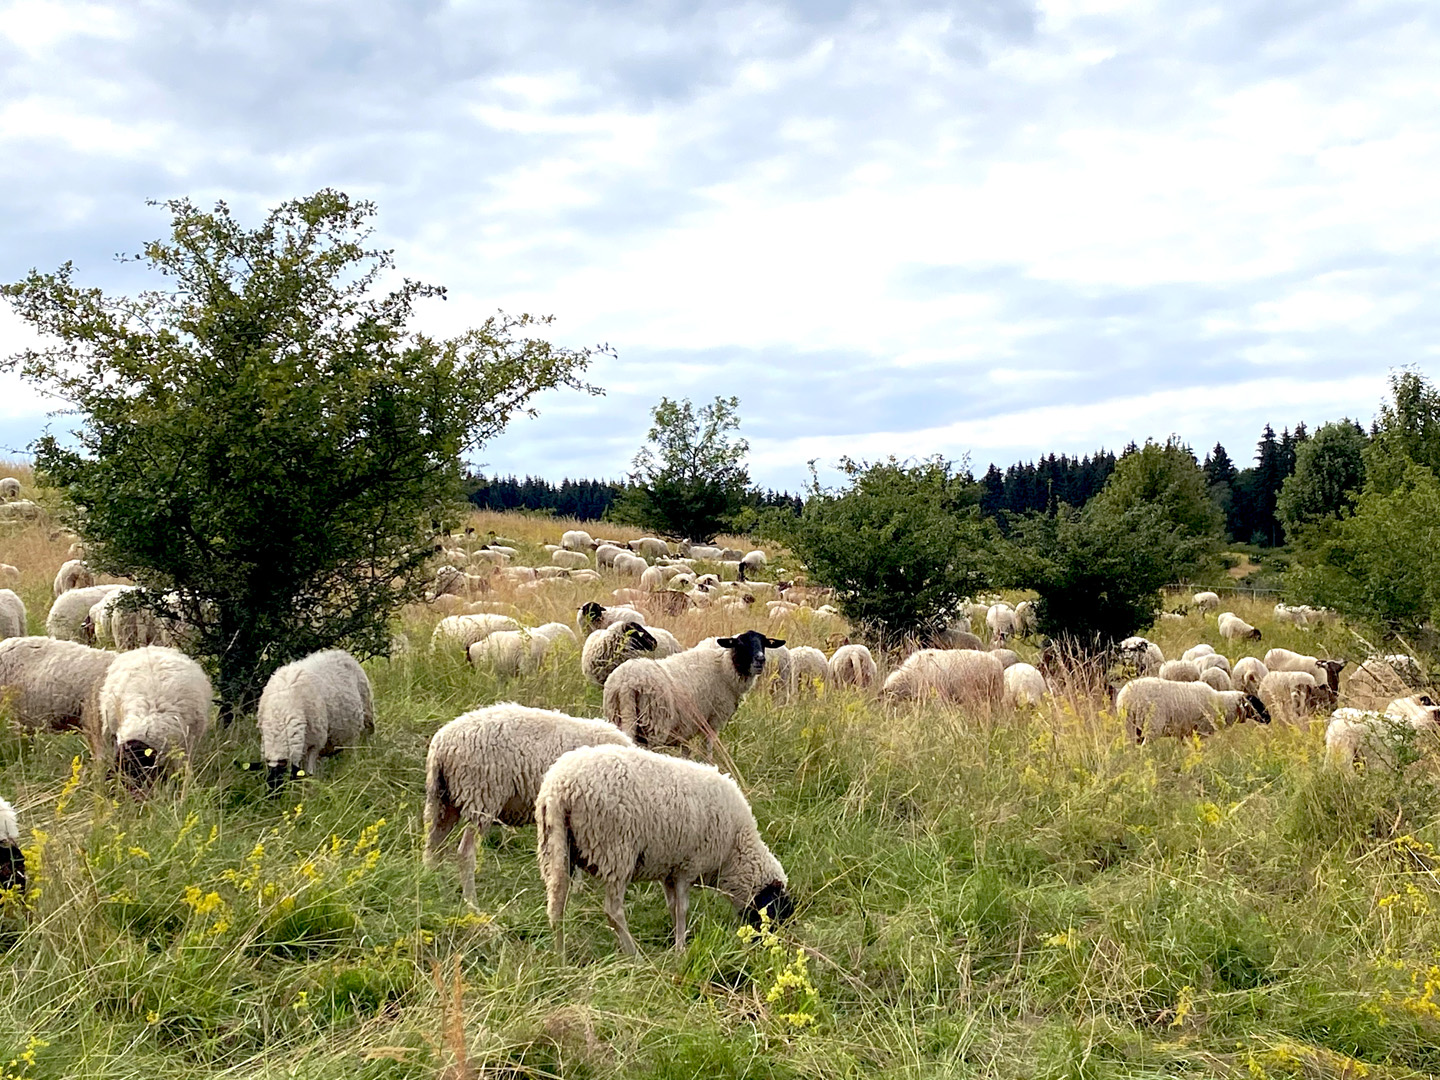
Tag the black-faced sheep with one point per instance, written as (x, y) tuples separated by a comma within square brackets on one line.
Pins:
[(1155, 707), (154, 705), (313, 707)]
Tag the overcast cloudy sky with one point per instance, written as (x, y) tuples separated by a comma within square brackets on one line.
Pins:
[(988, 227)]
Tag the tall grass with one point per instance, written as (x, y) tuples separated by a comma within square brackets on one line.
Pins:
[(1016, 894)]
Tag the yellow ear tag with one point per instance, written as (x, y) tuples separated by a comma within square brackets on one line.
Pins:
[(299, 772), (149, 752)]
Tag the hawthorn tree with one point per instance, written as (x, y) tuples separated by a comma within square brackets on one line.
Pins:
[(264, 439)]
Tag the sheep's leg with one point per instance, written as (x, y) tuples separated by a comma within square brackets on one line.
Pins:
[(467, 862), (557, 893), (680, 891), (312, 760), (615, 912)]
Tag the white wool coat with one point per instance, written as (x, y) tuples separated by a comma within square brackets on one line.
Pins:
[(852, 665), (1180, 671), (73, 575), (955, 676), (1024, 685), (486, 766), (605, 650), (51, 685), (810, 670), (315, 706), (1234, 628), (155, 697), (459, 632), (66, 620), (12, 615), (1144, 654), (666, 702), (1154, 707), (1248, 673), (625, 814)]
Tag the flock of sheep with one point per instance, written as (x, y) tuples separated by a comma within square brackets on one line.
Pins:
[(609, 795)]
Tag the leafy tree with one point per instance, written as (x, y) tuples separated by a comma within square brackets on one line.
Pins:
[(1329, 473), (901, 544), (1098, 572), (1406, 432), (266, 438), (693, 482), (1167, 477)]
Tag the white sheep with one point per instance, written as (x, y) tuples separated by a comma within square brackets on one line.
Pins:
[(624, 814), (667, 702), (852, 665), (1008, 657), (631, 565), (1155, 707), (809, 669), (1000, 618), (1377, 738), (486, 766), (1205, 602), (1180, 671), (956, 676), (1213, 660), (12, 858), (12, 615), (51, 685), (570, 560), (70, 612), (1248, 673), (605, 555), (124, 625), (650, 546), (154, 705), (20, 510), (701, 551), (605, 650), (1197, 651), (1024, 685), (1144, 654), (461, 631), (1217, 678), (1234, 628), (1293, 694), (73, 575), (752, 562), (1026, 621), (9, 575), (517, 652), (9, 488), (1326, 672), (316, 706), (577, 540)]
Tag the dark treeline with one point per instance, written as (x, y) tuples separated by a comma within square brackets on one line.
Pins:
[(1042, 485), (588, 500), (1248, 496)]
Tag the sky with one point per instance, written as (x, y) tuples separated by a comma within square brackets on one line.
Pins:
[(993, 229)]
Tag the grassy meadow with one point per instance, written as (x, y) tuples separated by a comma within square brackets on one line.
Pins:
[(1016, 894)]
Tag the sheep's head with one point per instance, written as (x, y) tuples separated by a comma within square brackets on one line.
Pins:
[(1254, 709), (637, 638), (1332, 669), (140, 764), (777, 905), (747, 651), (12, 866), (590, 614), (277, 772)]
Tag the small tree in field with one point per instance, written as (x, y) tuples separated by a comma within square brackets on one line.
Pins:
[(693, 482), (266, 438), (901, 545)]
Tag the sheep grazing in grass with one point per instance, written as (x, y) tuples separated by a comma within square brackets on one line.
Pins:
[(1205, 602), (1180, 671), (1217, 678), (810, 670), (954, 637), (1325, 672), (459, 632), (1380, 739), (51, 685), (577, 540), (486, 766), (9, 575), (9, 488), (752, 562), (954, 676), (1213, 660), (69, 615), (1248, 673), (605, 650), (651, 547), (12, 615), (1000, 618), (696, 692), (1197, 651), (570, 560), (73, 575), (311, 708), (1291, 695), (1234, 628), (12, 858), (1024, 685), (1158, 707), (852, 665), (154, 705), (592, 616), (1026, 620), (631, 565), (624, 814), (1142, 654), (518, 652), (20, 510)]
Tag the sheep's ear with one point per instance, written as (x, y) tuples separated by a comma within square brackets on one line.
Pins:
[(772, 643), (725, 642)]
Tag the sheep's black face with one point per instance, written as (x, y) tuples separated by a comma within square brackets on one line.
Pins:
[(640, 638), (1257, 710), (12, 866), (777, 904), (277, 773), (590, 614), (139, 763), (747, 651), (1332, 672)]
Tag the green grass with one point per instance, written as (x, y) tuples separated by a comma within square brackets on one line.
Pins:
[(1017, 895)]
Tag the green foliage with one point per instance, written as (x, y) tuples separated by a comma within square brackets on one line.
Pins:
[(1098, 572), (692, 483), (1407, 431), (266, 439), (1329, 473), (1167, 476), (901, 544)]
